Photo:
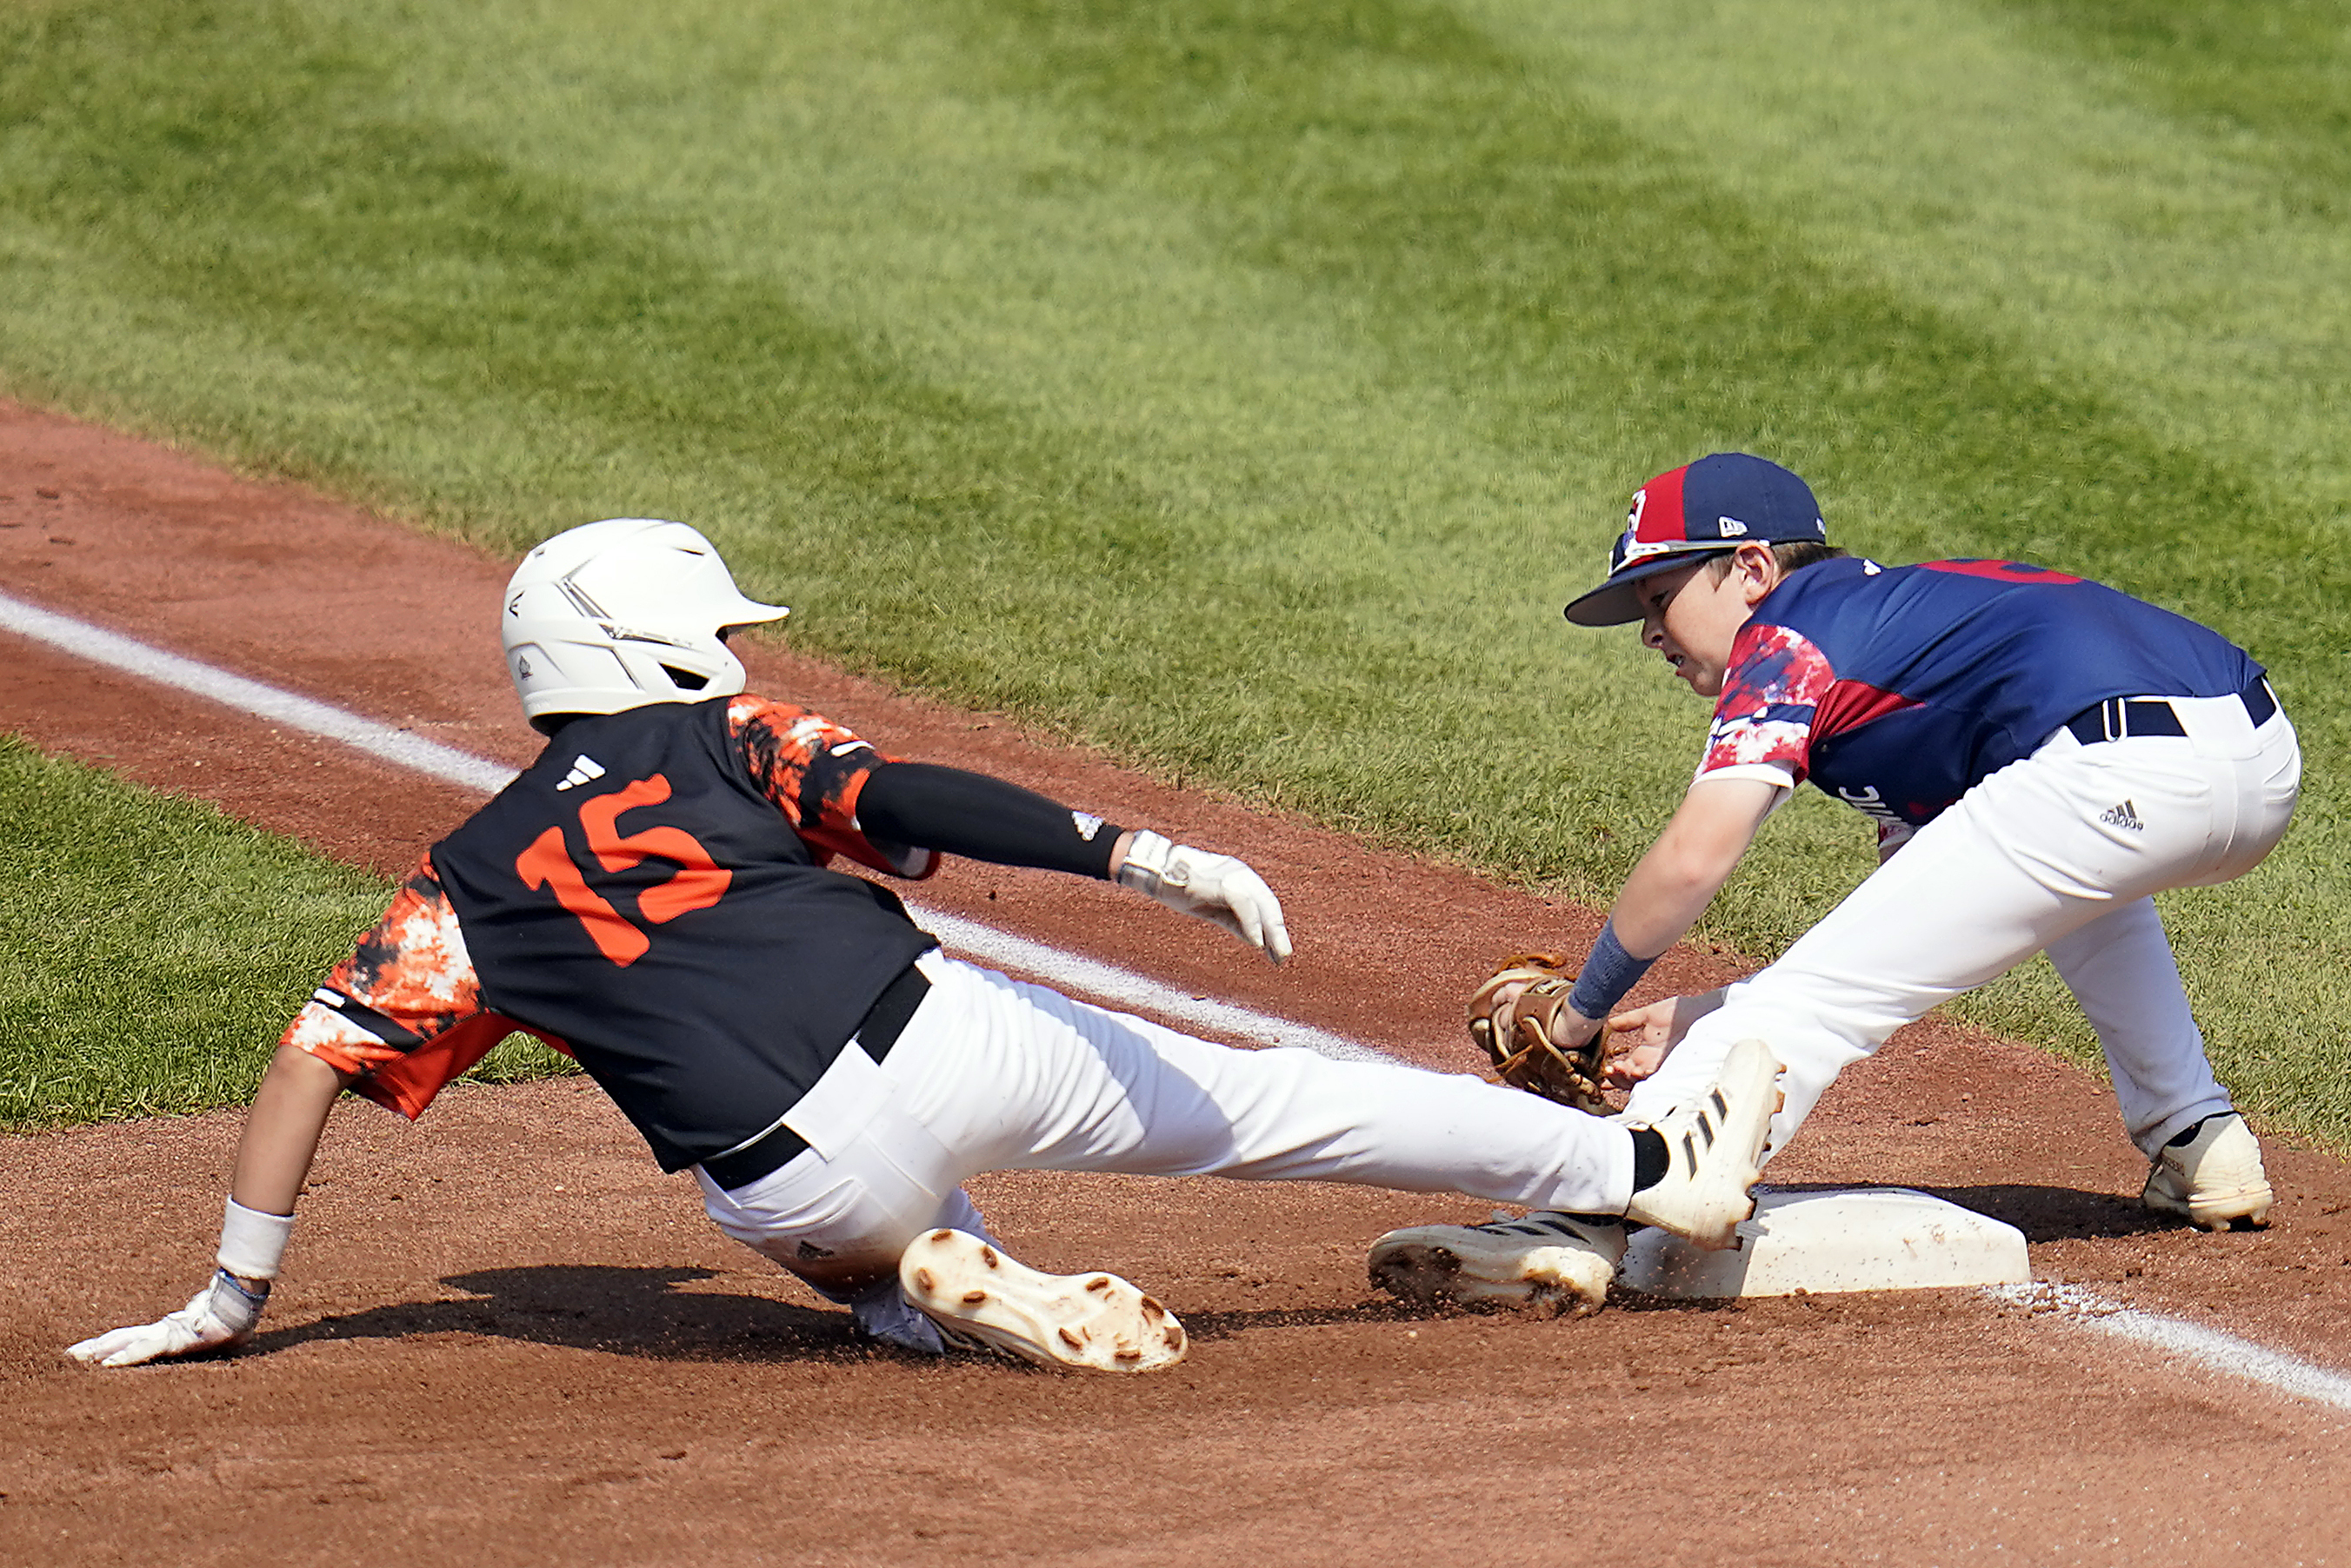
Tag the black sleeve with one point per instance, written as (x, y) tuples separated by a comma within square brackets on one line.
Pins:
[(980, 818)]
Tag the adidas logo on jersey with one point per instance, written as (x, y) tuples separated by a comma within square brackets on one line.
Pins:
[(584, 769), (2123, 816)]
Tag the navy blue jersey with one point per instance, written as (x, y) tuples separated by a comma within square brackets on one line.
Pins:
[(1896, 689)]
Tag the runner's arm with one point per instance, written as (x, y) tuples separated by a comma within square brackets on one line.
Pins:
[(282, 1131), (395, 1021), (979, 817), (839, 796), (281, 1137)]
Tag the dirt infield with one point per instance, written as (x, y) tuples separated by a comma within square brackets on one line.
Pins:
[(506, 1338)]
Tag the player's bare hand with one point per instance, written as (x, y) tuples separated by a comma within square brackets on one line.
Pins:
[(1219, 887), (1637, 1044), (1639, 1041), (223, 1313)]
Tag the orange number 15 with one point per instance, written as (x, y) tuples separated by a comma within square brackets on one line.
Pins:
[(699, 884)]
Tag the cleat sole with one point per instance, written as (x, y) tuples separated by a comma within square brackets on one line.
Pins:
[(983, 1300), (1500, 1267)]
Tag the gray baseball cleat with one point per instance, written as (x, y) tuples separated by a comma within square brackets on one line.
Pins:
[(982, 1300), (1714, 1147), (1546, 1261), (2211, 1174), (884, 1314)]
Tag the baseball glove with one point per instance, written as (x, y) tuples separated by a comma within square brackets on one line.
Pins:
[(1517, 1037)]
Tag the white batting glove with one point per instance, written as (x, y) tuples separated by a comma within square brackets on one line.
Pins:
[(1216, 888), (221, 1313)]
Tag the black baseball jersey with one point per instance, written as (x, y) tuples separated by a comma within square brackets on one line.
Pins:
[(651, 895)]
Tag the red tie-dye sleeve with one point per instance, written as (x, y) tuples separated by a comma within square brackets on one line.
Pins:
[(403, 1013), (813, 770), (1769, 698)]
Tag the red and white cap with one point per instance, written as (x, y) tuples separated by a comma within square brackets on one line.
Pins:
[(1702, 508)]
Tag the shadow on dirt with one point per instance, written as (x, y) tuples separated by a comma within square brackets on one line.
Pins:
[(2057, 1213), (2043, 1213), (625, 1312), (1226, 1325), (640, 1312)]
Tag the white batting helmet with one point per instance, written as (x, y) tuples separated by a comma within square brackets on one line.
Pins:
[(615, 615)]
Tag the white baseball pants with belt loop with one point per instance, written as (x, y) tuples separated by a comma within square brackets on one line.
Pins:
[(2058, 852), (995, 1074)]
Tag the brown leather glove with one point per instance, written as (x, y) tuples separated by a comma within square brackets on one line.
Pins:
[(1516, 1036)]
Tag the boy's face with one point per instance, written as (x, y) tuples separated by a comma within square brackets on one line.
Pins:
[(1691, 616)]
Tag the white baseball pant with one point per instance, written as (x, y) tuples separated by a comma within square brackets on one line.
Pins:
[(995, 1074), (2060, 851)]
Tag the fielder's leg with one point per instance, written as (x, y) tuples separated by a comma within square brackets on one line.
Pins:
[(2204, 1163), (2028, 856), (2120, 968)]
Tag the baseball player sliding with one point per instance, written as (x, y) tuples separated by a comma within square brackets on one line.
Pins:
[(2039, 754), (652, 895)]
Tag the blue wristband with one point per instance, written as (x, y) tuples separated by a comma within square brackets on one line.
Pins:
[(1606, 975)]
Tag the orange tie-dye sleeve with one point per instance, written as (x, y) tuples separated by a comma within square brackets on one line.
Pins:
[(402, 1014), (813, 770)]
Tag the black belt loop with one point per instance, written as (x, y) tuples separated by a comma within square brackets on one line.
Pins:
[(876, 1032), (2119, 717)]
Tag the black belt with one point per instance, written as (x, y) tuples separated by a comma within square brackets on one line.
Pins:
[(779, 1146), (2120, 717)]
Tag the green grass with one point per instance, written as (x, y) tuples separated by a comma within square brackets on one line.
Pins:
[(1242, 386), (152, 949)]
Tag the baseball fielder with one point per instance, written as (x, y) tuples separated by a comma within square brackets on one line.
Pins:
[(653, 896), (2038, 754)]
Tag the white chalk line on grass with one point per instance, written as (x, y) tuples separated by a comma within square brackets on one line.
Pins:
[(2202, 1346), (381, 740)]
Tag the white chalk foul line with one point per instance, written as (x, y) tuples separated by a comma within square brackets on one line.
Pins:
[(2208, 1347), (381, 740), (2203, 1346), (386, 743), (1094, 978)]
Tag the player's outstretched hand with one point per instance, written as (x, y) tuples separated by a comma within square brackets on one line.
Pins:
[(1216, 888), (221, 1313), (1639, 1041)]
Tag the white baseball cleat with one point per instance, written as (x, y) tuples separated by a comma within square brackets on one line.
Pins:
[(1714, 1147), (983, 1300), (2215, 1179), (1547, 1261)]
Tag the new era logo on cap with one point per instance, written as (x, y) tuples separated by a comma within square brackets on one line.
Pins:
[(1717, 503)]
